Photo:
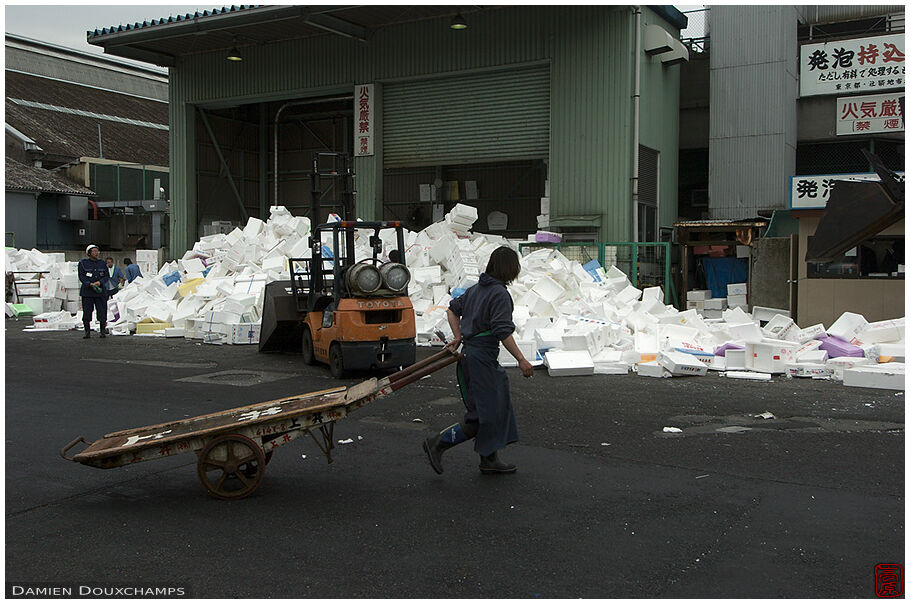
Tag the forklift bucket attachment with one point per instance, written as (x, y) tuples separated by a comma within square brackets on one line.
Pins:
[(282, 324)]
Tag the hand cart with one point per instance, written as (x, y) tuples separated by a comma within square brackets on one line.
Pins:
[(234, 446)]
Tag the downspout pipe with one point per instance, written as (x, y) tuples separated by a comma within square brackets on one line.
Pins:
[(636, 98)]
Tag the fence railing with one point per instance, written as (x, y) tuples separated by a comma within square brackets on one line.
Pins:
[(697, 36), (647, 264)]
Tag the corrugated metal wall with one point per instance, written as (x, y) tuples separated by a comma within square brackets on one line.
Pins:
[(831, 13), (500, 115), (753, 109), (589, 49)]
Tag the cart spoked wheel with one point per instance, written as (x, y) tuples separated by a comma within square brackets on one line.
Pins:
[(309, 357), (231, 466), (336, 363)]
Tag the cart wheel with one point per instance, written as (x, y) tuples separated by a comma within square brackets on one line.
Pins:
[(309, 357), (336, 363), (231, 466)]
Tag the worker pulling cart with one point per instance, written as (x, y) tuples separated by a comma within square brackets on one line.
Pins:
[(234, 446)]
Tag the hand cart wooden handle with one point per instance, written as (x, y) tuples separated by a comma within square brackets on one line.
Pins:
[(234, 446)]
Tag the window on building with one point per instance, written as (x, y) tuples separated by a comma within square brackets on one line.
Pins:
[(876, 258), (648, 187)]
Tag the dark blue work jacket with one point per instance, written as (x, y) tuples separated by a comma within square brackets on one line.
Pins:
[(89, 272)]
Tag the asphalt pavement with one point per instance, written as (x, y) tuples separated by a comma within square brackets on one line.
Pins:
[(605, 504)]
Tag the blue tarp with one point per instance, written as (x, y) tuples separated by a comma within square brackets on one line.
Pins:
[(721, 271)]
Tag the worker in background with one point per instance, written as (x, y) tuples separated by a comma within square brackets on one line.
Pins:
[(115, 275), (94, 277), (132, 270), (481, 318)]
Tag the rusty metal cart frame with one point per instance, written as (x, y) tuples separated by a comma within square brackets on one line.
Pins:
[(234, 446)]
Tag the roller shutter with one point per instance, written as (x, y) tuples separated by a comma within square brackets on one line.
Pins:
[(503, 115)]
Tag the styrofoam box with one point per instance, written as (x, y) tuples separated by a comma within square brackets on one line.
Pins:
[(840, 364), (681, 363), (763, 313), (736, 300), (737, 289), (698, 294), (813, 356), (810, 333), (847, 326), (747, 332), (245, 333), (716, 304), (770, 356), (880, 376), (42, 305), (652, 369), (779, 327), (569, 362), (809, 370)]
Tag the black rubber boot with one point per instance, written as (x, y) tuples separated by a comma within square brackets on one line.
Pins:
[(103, 325), (88, 332), (491, 464), (434, 446)]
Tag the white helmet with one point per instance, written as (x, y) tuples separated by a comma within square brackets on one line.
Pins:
[(88, 250)]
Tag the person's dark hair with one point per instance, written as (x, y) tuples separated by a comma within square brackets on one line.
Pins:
[(127, 261), (109, 258), (504, 265), (395, 256)]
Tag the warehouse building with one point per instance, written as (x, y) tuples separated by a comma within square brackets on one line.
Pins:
[(503, 107)]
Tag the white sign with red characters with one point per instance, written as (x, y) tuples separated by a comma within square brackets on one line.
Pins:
[(364, 120), (842, 66), (865, 114)]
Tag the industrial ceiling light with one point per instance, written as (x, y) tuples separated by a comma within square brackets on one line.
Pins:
[(234, 54), (458, 22)]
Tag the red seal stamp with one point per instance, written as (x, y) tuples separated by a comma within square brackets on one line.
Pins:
[(889, 580)]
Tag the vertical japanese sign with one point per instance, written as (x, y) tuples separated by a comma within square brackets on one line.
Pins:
[(364, 120), (812, 192), (864, 64), (865, 114)]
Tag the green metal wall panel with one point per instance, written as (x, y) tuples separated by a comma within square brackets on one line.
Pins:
[(659, 127), (590, 53), (490, 116)]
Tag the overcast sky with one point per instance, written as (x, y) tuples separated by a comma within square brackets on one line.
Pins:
[(66, 24)]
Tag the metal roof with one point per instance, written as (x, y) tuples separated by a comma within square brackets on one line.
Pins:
[(161, 41), (20, 177)]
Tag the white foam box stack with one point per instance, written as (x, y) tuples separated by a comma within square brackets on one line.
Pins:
[(569, 362), (698, 295)]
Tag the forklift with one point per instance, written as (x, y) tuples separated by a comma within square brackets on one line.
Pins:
[(350, 314)]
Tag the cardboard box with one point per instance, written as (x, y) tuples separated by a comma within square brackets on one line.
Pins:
[(680, 363)]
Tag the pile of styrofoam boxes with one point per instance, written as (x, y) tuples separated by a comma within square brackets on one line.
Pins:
[(712, 308), (543, 219), (461, 218)]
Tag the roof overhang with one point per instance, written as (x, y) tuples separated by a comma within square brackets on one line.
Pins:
[(163, 41)]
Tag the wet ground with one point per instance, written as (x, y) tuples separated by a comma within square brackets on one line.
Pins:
[(605, 502)]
